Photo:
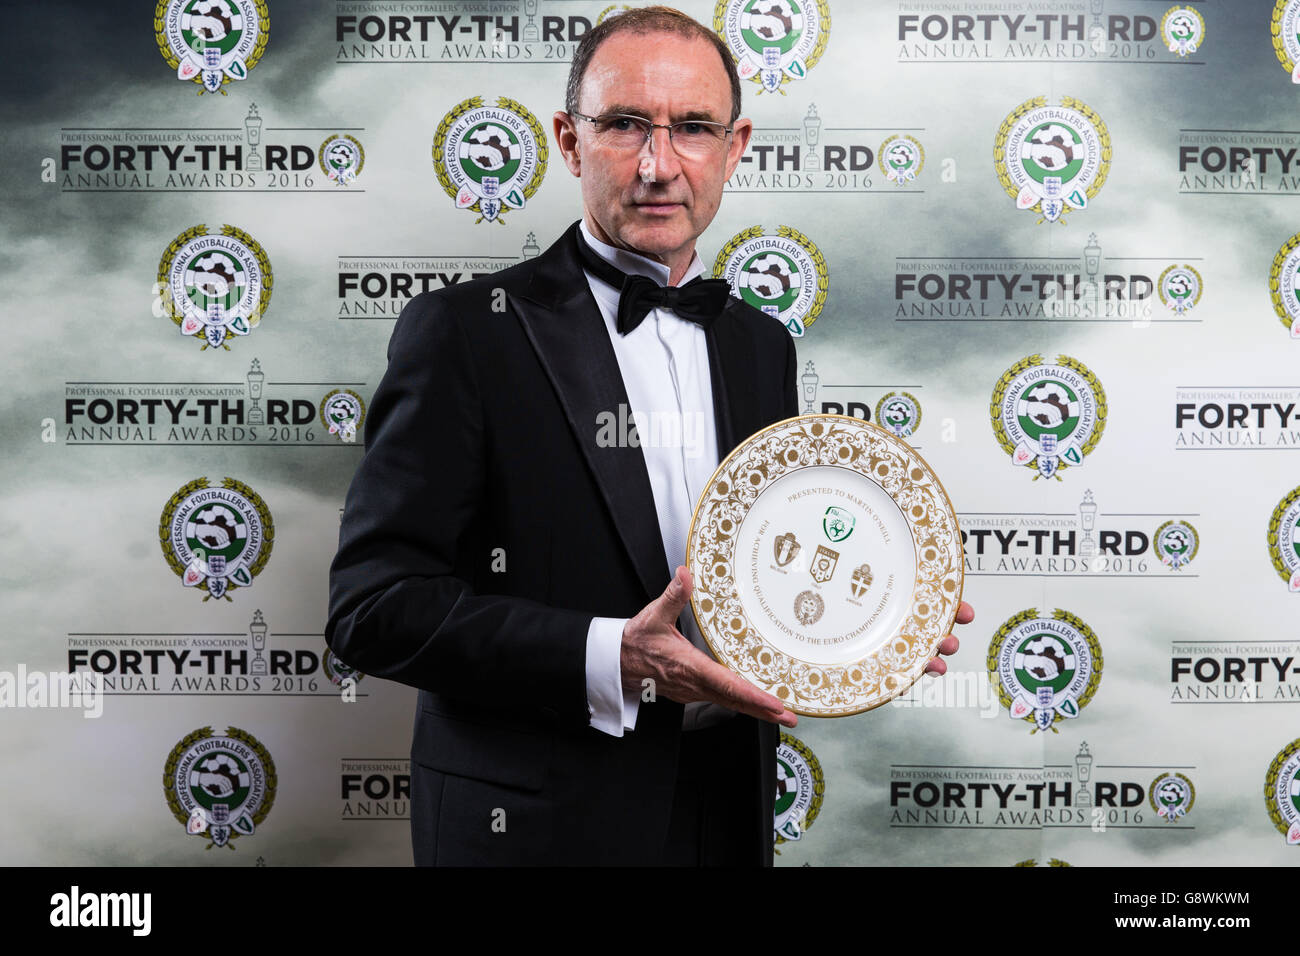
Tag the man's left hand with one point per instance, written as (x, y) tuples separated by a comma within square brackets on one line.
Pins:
[(948, 646)]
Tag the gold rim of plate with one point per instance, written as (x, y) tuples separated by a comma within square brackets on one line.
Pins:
[(851, 686)]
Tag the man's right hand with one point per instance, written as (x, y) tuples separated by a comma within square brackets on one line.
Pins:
[(654, 648)]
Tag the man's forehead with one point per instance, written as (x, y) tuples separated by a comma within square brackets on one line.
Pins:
[(644, 73)]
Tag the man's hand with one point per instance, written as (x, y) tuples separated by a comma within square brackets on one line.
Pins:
[(949, 645), (654, 648)]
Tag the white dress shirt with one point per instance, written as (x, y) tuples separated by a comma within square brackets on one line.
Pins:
[(664, 363)]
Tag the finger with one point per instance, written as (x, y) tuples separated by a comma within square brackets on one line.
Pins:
[(965, 613), (949, 645), (935, 667), (729, 689), (676, 596)]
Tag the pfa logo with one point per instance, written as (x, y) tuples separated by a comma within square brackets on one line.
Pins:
[(900, 158), (1282, 792), (1183, 30), (1286, 36), (342, 412), (215, 287), (1045, 668), (783, 275), (900, 412), (1180, 288), (773, 41), (211, 42), (1171, 796), (1048, 416), (1284, 287), (800, 788), (1284, 539), (216, 540), (1052, 159), (490, 159), (1176, 544), (219, 785), (341, 159)]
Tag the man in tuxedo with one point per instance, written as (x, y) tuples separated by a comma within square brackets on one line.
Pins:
[(501, 554)]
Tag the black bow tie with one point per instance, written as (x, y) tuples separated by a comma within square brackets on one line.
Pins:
[(699, 301)]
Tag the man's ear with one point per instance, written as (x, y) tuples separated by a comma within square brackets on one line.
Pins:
[(566, 138), (741, 130)]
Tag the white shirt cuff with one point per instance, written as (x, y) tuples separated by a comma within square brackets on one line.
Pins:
[(612, 708)]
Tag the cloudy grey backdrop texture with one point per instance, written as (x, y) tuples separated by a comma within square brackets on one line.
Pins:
[(83, 567)]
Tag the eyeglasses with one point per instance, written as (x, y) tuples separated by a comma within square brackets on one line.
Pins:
[(695, 139)]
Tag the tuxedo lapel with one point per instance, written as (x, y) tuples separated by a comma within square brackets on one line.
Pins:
[(563, 323), (732, 362)]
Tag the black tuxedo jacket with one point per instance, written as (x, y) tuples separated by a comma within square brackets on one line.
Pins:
[(483, 530)]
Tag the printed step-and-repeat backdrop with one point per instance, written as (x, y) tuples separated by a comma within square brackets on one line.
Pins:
[(1051, 244)]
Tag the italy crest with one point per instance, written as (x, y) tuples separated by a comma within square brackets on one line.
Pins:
[(900, 412), (214, 287), (216, 539), (773, 41), (900, 158), (1282, 792), (1284, 285), (1176, 544), (1183, 30), (341, 158), (1284, 539), (343, 412), (1044, 668), (1180, 288), (1048, 416), (219, 785), (211, 42), (1171, 796), (800, 788), (783, 275), (490, 159), (1286, 36), (1052, 159)]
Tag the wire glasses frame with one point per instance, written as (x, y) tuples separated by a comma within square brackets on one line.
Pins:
[(699, 138)]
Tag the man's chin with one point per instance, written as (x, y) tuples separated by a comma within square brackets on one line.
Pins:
[(658, 238)]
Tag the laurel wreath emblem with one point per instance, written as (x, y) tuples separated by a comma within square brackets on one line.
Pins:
[(176, 313), (510, 106), (198, 484), (795, 236), (818, 779), (815, 54), (1031, 614), (234, 733), (160, 37), (1028, 106), (1009, 376), (1275, 531), (1270, 785)]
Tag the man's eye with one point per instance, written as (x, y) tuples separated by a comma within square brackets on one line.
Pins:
[(621, 124), (693, 129)]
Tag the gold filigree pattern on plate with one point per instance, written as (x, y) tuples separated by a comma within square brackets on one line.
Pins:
[(850, 686)]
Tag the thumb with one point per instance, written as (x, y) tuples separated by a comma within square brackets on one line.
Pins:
[(675, 597)]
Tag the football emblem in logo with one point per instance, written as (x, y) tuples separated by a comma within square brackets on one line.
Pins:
[(1048, 416), (1052, 159), (800, 788), (211, 42), (490, 159), (1045, 668), (783, 275), (773, 41)]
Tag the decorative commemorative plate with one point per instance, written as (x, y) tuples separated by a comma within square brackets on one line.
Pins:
[(827, 563)]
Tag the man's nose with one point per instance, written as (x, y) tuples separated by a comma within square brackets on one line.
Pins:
[(664, 162)]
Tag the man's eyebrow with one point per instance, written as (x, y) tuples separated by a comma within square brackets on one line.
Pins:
[(683, 117)]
